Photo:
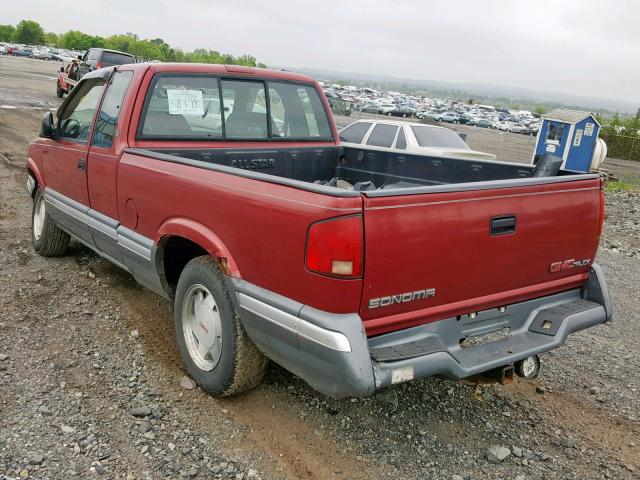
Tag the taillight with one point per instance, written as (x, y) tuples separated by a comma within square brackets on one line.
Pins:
[(334, 247), (98, 65), (601, 219)]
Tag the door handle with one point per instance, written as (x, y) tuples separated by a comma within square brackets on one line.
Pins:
[(502, 225), (82, 164)]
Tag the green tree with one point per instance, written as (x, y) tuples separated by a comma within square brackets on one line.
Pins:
[(76, 40), (540, 110), (29, 32), (6, 33), (615, 121), (51, 38)]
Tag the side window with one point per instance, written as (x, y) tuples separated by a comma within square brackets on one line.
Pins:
[(401, 142), (183, 106), (74, 121), (107, 121), (355, 133), (93, 54), (297, 112), (555, 133), (245, 109), (382, 135)]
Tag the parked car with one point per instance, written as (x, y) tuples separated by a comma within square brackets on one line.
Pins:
[(405, 137), (532, 129), (97, 58), (482, 123), (370, 108), (3, 50), (386, 107), (283, 266), (403, 111), (466, 118), (23, 52), (449, 117), (517, 128)]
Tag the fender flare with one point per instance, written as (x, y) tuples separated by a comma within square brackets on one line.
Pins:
[(32, 169), (202, 236)]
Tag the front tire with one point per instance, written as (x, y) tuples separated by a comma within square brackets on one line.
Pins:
[(48, 239), (218, 353)]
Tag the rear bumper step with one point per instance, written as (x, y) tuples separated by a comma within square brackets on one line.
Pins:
[(453, 361), (333, 354)]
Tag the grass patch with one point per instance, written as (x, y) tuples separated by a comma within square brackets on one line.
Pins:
[(622, 186)]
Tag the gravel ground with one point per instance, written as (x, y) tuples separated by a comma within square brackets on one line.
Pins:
[(91, 384)]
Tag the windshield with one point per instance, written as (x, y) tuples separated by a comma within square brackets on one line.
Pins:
[(438, 137)]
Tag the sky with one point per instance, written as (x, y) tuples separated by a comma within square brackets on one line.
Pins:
[(584, 47)]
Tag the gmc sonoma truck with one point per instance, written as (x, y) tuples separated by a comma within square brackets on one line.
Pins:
[(225, 189)]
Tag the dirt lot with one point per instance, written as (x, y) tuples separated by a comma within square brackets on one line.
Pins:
[(90, 377)]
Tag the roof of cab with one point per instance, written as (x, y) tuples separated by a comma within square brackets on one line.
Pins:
[(216, 69)]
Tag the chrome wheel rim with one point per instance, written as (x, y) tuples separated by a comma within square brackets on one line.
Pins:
[(529, 366), (202, 327), (38, 218)]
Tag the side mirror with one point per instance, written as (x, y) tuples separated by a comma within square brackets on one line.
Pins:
[(61, 69), (46, 128)]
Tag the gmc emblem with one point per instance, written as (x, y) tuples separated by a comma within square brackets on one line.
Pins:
[(568, 265)]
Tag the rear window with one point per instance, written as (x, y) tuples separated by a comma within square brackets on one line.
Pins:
[(183, 107), (112, 58), (205, 107), (355, 133), (297, 112), (438, 137)]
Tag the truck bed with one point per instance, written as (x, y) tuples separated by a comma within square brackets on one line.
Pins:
[(356, 169)]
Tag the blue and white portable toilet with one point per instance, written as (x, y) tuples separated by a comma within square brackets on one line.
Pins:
[(569, 134)]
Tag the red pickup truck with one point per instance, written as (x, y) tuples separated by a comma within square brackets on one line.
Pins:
[(226, 190)]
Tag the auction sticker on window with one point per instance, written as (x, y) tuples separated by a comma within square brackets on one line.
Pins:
[(185, 102)]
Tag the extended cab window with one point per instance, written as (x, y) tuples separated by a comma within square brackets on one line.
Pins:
[(107, 120), (383, 135), (297, 112), (245, 110), (183, 106), (355, 133), (74, 121)]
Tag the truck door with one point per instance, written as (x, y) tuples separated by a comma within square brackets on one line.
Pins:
[(65, 159), (103, 160)]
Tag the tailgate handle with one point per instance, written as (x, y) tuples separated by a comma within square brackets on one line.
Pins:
[(503, 225)]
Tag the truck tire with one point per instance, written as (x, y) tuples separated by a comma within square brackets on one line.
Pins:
[(48, 239), (59, 91), (214, 346)]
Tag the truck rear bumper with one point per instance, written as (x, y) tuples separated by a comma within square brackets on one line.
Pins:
[(333, 354)]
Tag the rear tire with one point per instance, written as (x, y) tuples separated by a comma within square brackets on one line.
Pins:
[(48, 239), (218, 353)]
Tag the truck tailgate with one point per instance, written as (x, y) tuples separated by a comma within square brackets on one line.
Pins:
[(430, 256)]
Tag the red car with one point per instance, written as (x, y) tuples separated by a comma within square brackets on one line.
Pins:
[(226, 190)]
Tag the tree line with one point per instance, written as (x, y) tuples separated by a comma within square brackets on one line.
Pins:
[(29, 32)]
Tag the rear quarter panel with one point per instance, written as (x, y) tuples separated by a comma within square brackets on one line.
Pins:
[(263, 225)]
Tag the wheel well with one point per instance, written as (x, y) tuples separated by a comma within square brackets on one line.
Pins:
[(177, 252), (35, 179)]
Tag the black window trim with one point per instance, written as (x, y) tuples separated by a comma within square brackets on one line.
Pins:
[(223, 138), (107, 85), (71, 95)]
